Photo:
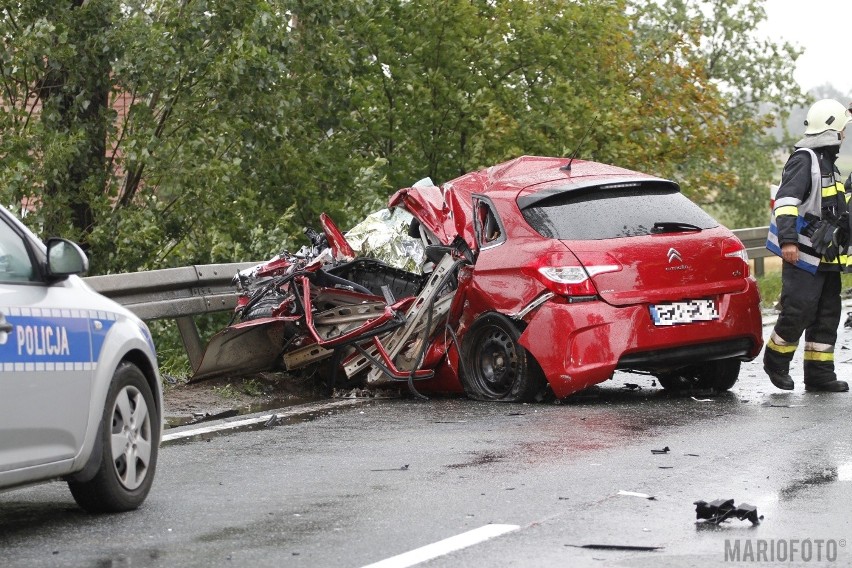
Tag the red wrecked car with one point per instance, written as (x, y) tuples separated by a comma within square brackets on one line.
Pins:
[(539, 277)]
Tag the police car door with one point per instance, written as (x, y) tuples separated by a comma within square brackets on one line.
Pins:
[(45, 358)]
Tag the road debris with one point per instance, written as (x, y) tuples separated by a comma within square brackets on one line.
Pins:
[(274, 420), (403, 468), (207, 417), (721, 510), (663, 451), (635, 494), (617, 547)]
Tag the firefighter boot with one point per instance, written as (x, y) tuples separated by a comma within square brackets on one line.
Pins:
[(776, 361), (777, 366), (819, 369), (830, 386), (780, 379)]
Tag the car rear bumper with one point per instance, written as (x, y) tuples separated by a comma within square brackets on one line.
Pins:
[(579, 345)]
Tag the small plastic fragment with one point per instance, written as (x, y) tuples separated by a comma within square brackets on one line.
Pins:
[(635, 494)]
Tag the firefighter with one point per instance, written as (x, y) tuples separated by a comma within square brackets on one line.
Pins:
[(810, 231)]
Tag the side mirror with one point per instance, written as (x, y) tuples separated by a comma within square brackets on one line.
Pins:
[(65, 258)]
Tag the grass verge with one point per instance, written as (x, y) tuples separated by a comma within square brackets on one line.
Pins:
[(770, 287)]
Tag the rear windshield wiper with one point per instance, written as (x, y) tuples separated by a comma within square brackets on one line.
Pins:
[(673, 227)]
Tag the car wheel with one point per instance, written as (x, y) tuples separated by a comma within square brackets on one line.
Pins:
[(129, 438), (496, 366), (719, 375)]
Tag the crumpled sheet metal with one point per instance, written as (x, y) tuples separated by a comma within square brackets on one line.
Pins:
[(383, 235)]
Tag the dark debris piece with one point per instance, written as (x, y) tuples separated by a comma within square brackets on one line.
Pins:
[(403, 468), (720, 510), (848, 322), (207, 417), (615, 547), (632, 386), (663, 451), (273, 421)]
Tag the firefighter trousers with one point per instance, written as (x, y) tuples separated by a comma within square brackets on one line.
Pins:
[(810, 303)]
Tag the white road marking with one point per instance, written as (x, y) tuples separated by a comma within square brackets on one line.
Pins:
[(443, 547), (301, 409)]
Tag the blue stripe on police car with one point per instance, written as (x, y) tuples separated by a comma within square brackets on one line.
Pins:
[(53, 339)]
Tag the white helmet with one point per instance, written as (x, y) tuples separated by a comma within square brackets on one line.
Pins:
[(827, 114)]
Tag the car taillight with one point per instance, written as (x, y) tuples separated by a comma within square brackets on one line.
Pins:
[(734, 248), (573, 282)]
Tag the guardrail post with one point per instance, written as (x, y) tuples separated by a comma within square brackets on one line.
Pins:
[(758, 267), (191, 340)]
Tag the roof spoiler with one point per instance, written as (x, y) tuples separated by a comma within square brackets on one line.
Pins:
[(613, 183)]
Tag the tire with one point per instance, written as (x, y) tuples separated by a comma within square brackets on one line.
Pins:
[(719, 375), (129, 436), (262, 308), (495, 366)]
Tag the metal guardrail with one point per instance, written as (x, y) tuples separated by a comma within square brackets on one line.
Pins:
[(175, 293), (754, 240), (181, 293)]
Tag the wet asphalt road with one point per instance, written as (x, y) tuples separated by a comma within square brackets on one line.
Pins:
[(355, 485)]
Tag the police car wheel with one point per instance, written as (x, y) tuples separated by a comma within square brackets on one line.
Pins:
[(129, 433)]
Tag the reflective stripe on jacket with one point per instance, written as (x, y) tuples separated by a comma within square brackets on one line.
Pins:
[(807, 211)]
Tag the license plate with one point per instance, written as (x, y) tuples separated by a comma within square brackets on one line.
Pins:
[(689, 311)]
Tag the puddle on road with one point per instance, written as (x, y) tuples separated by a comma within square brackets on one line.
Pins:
[(768, 504), (277, 421), (274, 404), (817, 477)]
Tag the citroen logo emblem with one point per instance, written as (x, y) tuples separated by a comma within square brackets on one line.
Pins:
[(674, 255)]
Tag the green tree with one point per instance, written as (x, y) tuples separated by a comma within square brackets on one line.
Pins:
[(165, 133), (55, 74), (439, 88), (754, 78), (148, 130)]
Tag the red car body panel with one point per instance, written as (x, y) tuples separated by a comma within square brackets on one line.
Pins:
[(339, 245), (580, 344)]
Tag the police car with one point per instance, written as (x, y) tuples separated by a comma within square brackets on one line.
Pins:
[(80, 394)]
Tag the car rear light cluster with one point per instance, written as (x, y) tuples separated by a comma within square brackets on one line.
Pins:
[(573, 282), (734, 248)]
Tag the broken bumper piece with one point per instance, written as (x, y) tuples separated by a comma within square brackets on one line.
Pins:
[(721, 510)]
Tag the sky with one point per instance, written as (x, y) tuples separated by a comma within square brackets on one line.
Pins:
[(821, 28)]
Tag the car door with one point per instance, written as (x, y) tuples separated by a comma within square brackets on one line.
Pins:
[(46, 366)]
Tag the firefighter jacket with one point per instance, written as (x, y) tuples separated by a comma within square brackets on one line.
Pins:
[(798, 209)]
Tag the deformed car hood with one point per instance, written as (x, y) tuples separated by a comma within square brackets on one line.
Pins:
[(439, 210)]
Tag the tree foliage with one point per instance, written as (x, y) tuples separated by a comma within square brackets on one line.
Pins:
[(169, 132), (754, 77)]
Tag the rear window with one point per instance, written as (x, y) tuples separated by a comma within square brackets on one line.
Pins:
[(595, 214)]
